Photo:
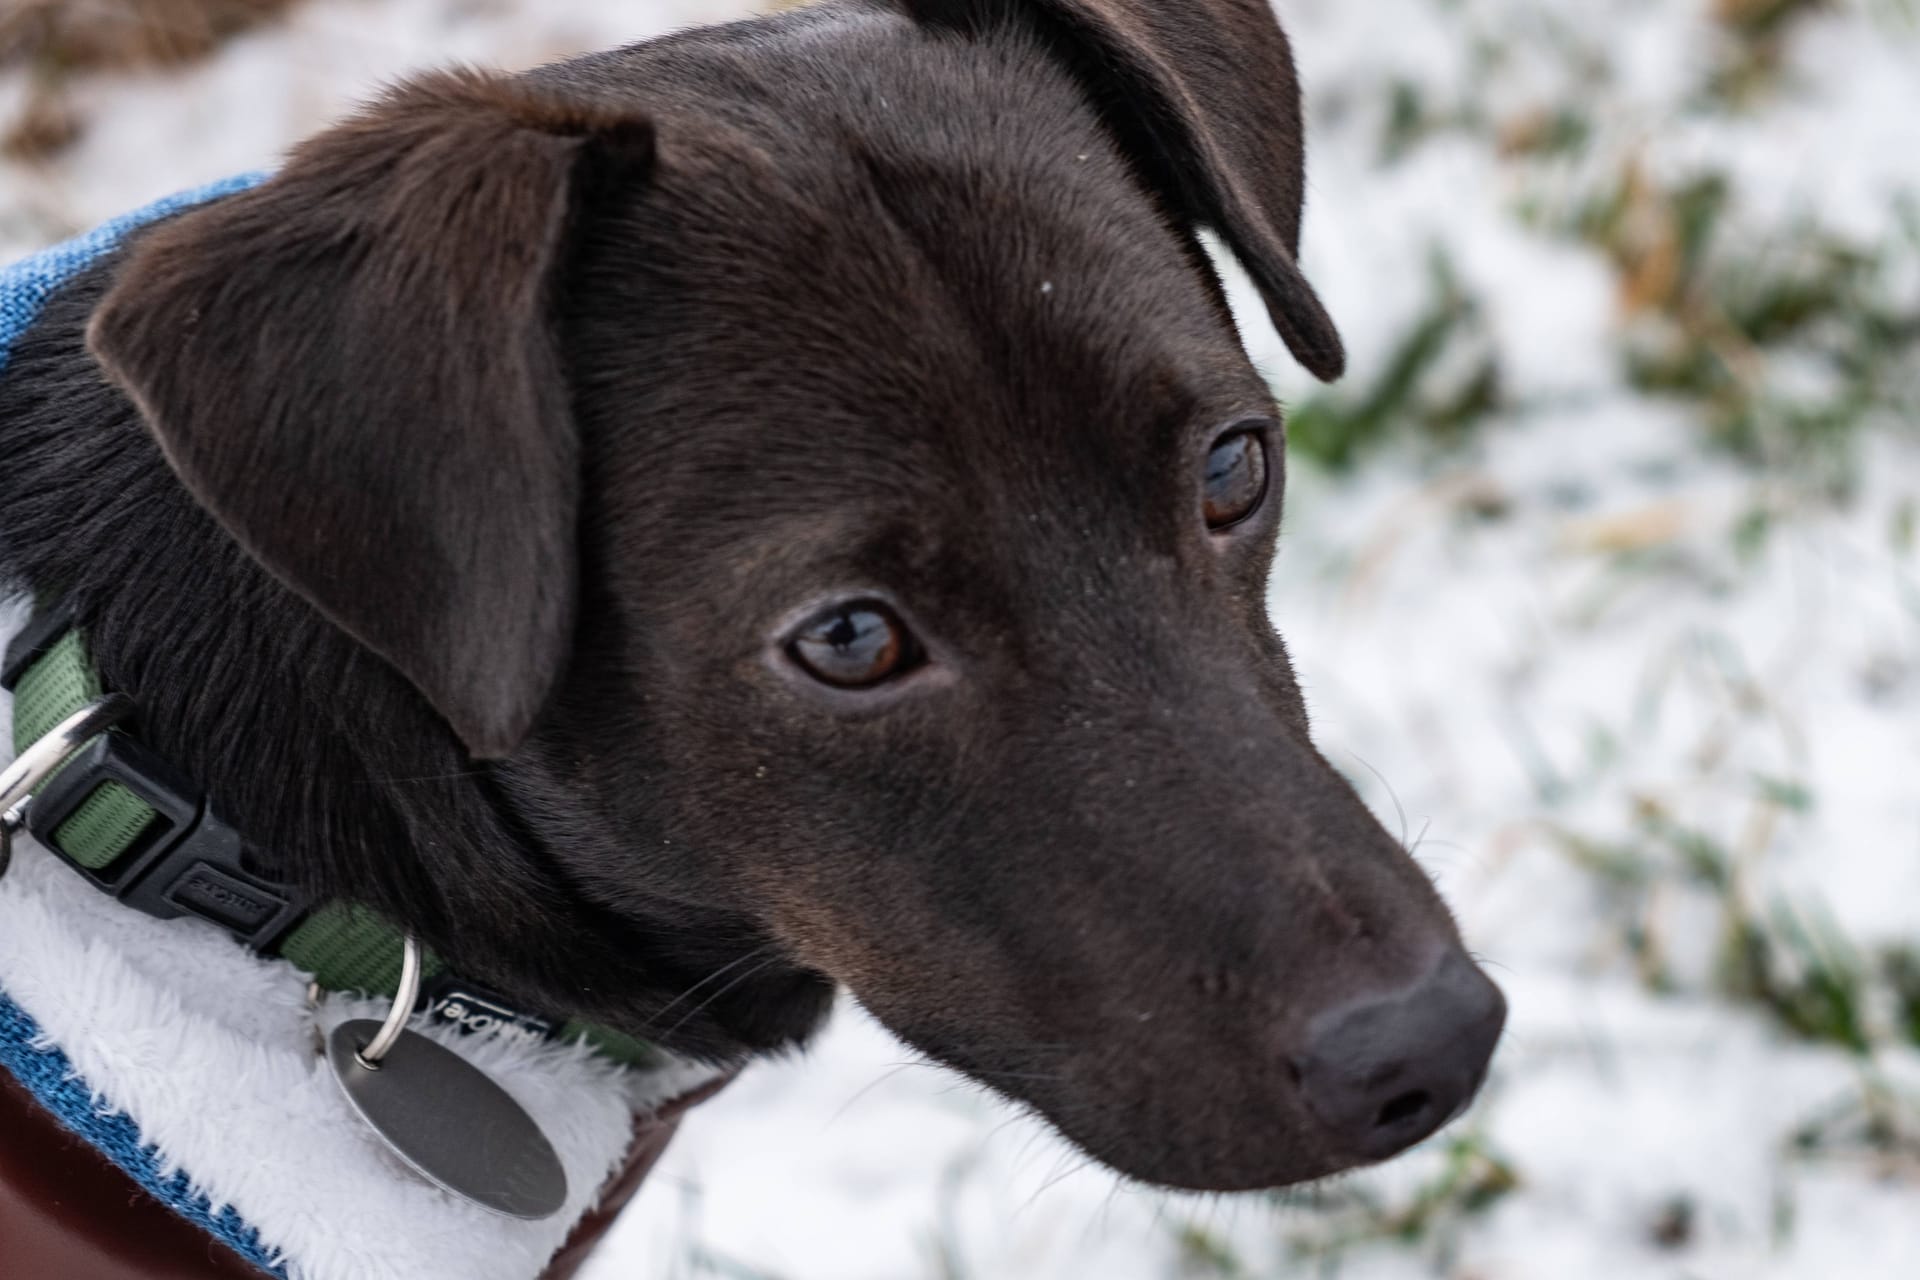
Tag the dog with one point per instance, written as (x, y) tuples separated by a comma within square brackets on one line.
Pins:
[(777, 508)]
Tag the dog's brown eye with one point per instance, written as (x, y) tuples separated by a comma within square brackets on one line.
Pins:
[(1236, 479), (853, 645)]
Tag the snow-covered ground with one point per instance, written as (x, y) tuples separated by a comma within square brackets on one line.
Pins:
[(1633, 657)]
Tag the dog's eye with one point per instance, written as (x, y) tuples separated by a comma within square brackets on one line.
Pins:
[(1236, 478), (853, 645)]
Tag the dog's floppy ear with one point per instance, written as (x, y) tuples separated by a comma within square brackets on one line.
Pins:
[(352, 367), (1203, 97)]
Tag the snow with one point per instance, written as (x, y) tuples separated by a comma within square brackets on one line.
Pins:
[(1601, 651), (160, 132)]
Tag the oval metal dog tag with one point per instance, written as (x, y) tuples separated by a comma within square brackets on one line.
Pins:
[(451, 1124)]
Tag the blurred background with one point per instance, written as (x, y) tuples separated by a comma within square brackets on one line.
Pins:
[(1599, 569)]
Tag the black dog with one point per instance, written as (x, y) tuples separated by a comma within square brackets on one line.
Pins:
[(810, 466)]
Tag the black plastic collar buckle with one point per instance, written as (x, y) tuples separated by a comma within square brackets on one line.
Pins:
[(187, 862)]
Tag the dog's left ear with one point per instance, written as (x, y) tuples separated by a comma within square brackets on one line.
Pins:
[(353, 368), (1203, 98)]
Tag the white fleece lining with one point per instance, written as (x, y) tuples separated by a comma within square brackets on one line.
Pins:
[(213, 1053)]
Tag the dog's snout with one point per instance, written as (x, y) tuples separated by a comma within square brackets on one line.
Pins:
[(1383, 1072)]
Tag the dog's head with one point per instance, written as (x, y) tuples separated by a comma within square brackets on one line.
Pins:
[(815, 461)]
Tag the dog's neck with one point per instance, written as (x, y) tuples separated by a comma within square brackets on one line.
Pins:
[(338, 772)]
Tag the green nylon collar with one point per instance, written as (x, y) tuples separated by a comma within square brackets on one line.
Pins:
[(345, 947)]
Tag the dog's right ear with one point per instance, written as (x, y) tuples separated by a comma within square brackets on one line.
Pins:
[(352, 368)]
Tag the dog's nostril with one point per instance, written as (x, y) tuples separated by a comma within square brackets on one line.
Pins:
[(1384, 1071), (1404, 1107)]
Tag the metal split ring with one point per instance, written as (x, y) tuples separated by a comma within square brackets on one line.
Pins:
[(45, 757), (370, 1054)]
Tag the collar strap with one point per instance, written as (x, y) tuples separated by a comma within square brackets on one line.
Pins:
[(135, 828)]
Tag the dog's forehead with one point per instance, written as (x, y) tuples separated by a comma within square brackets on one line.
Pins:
[(925, 252)]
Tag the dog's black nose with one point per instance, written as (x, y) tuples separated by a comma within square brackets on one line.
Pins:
[(1384, 1072)]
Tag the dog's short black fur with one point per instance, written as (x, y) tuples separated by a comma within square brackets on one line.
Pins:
[(486, 458)]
